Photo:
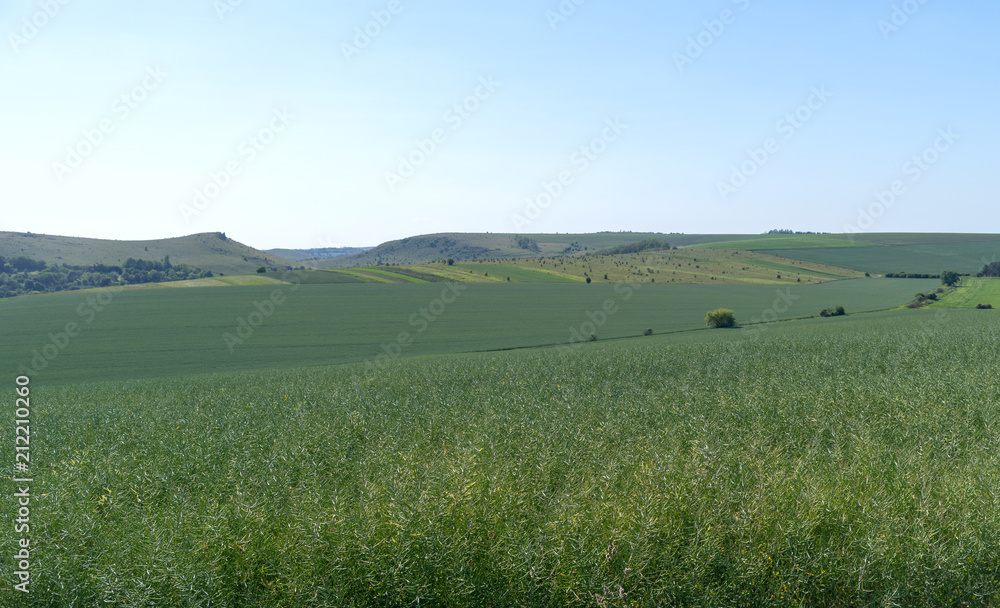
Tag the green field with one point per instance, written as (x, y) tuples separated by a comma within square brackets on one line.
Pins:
[(173, 332), (834, 462), (931, 258), (349, 443), (971, 292), (791, 241)]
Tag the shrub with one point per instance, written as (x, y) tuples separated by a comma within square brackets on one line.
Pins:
[(648, 332), (839, 311), (984, 306), (588, 280), (451, 261), (720, 317), (261, 270), (990, 270)]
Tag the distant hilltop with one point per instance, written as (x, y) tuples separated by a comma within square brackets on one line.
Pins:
[(212, 251)]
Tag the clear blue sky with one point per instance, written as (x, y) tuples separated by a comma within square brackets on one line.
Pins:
[(310, 128)]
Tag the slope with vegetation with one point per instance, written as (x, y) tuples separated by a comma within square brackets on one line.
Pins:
[(22, 275), (213, 252), (475, 247)]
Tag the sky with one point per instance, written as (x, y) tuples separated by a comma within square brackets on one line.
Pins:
[(322, 124)]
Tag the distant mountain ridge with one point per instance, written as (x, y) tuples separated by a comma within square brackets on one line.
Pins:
[(209, 251), (321, 253)]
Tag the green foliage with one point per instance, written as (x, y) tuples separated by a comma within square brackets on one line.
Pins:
[(527, 244), (837, 311), (990, 270), (984, 306), (950, 278), (638, 247), (720, 317), (21, 275), (261, 270)]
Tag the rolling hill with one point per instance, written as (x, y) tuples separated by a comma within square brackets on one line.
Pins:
[(209, 251), (471, 247)]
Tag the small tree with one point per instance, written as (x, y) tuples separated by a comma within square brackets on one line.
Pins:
[(949, 278), (261, 270), (451, 261), (720, 317)]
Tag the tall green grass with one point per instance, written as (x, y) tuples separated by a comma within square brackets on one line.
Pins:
[(841, 462)]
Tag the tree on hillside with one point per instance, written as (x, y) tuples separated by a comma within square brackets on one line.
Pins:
[(949, 278)]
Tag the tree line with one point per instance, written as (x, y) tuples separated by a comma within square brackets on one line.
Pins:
[(22, 275)]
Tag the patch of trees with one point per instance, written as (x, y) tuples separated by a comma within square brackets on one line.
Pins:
[(528, 244), (990, 270), (922, 299), (948, 277), (911, 275), (638, 247), (833, 312), (21, 275)]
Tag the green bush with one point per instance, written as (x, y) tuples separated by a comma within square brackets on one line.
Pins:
[(720, 317)]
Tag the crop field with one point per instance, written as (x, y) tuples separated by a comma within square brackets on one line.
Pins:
[(970, 292), (175, 332), (930, 258), (844, 462), (806, 241)]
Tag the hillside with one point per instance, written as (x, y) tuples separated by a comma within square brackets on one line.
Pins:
[(208, 251), (471, 247)]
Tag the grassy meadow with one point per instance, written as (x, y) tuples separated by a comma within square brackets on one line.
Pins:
[(827, 462), (970, 292)]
